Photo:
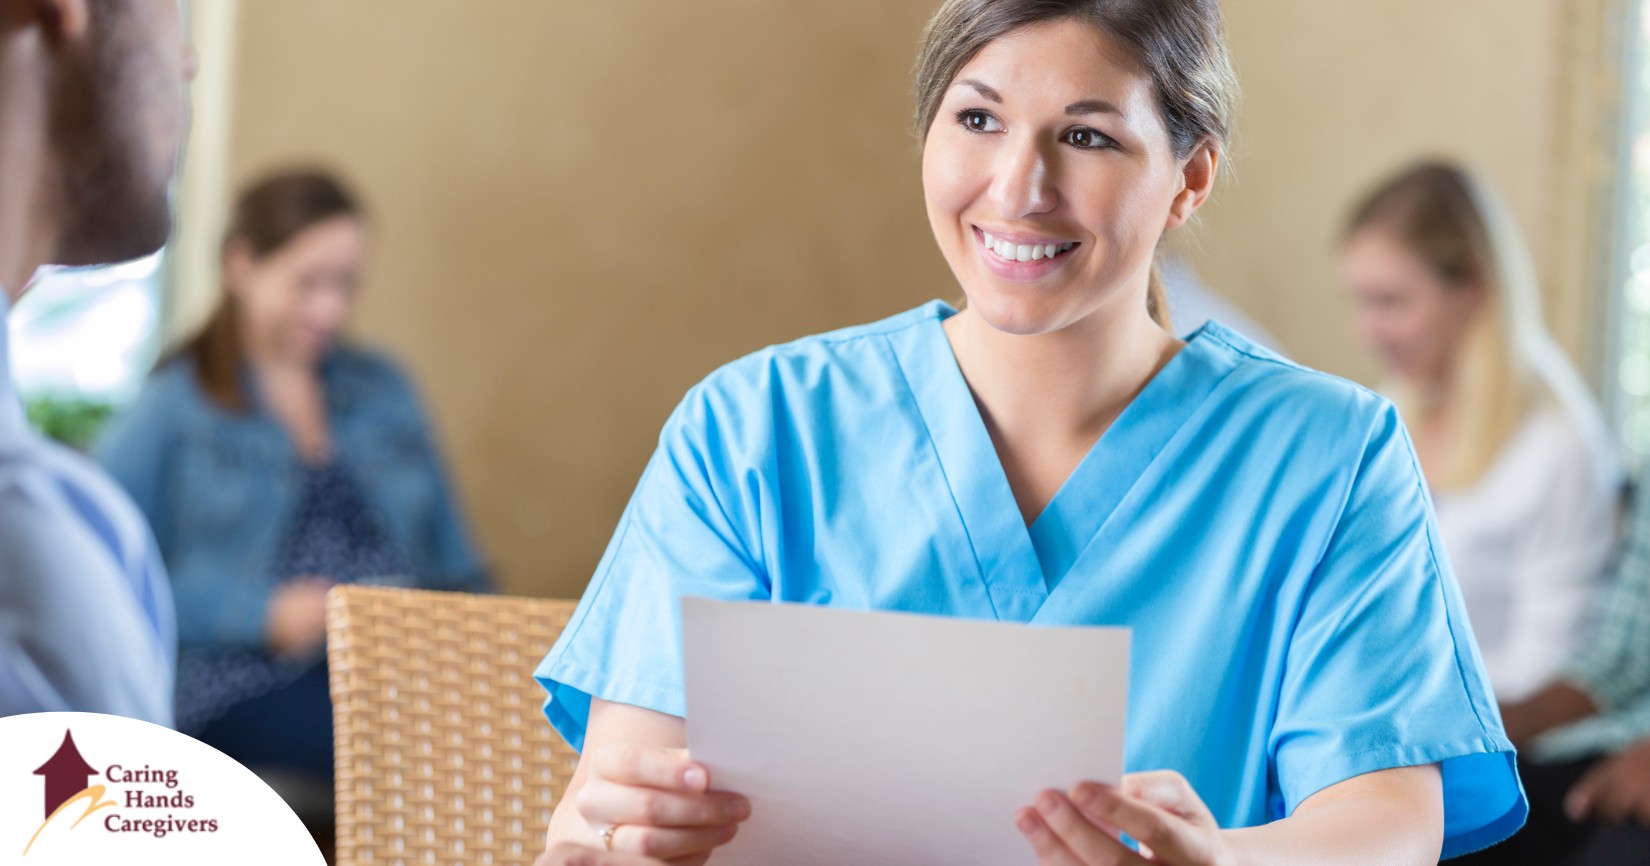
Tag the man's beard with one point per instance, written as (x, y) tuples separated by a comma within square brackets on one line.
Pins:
[(113, 195)]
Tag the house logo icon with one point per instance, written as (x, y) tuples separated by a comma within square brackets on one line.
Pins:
[(68, 780), (67, 774)]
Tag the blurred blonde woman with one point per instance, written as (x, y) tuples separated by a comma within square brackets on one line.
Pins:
[(1520, 463)]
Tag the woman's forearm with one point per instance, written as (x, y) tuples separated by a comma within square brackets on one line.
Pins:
[(1395, 820)]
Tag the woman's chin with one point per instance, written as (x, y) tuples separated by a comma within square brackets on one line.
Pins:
[(1022, 316), (307, 351)]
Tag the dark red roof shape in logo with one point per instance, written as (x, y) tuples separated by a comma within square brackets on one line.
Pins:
[(66, 774)]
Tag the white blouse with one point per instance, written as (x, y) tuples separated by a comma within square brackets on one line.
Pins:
[(1530, 544)]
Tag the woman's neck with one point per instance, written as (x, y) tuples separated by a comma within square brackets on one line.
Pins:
[(1070, 383), (293, 393), (1047, 399), (1430, 428), (267, 361), (1433, 397)]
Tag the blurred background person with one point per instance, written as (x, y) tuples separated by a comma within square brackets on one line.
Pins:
[(1520, 463), (275, 459), (1584, 741), (91, 117)]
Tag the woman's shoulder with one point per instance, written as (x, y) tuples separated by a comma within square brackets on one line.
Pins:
[(366, 363), (1283, 391), (368, 376), (857, 352), (172, 375), (172, 388), (836, 375), (168, 404)]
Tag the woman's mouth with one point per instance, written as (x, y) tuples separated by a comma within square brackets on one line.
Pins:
[(1022, 257), (1009, 251)]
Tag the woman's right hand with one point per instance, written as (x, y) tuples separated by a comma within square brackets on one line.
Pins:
[(658, 803), (297, 620)]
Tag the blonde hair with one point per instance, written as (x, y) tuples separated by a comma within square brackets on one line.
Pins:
[(1507, 363), (1180, 43)]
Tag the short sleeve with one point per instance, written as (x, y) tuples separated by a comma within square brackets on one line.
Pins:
[(692, 528), (1381, 670)]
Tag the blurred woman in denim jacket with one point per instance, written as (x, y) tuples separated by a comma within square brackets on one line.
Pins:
[(274, 461)]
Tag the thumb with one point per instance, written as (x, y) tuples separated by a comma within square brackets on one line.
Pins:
[(1170, 791)]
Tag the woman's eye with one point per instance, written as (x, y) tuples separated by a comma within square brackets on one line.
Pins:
[(1084, 138), (975, 120)]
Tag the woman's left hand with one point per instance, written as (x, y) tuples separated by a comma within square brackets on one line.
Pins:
[(1081, 827)]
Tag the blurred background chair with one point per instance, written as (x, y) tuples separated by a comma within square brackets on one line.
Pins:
[(442, 751)]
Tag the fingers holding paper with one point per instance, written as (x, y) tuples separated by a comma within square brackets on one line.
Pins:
[(657, 802), (1082, 826), (1063, 835)]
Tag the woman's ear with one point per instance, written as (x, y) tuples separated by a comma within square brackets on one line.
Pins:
[(1197, 178)]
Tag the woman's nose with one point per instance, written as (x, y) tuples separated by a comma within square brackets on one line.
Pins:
[(1024, 184)]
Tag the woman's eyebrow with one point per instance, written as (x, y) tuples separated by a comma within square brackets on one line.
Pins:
[(1092, 106), (1076, 109), (984, 89)]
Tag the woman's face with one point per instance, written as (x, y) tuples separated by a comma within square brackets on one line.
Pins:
[(1403, 309), (1050, 177), (296, 300)]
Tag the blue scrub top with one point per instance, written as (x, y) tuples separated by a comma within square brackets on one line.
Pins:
[(1263, 528)]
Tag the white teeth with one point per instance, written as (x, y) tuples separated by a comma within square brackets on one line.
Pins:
[(1022, 252)]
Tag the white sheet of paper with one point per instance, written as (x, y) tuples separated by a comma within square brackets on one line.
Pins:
[(870, 738)]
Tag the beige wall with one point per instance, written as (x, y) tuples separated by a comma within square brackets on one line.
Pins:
[(583, 211), (585, 207)]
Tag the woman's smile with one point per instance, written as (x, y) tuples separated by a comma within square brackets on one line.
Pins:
[(1022, 257)]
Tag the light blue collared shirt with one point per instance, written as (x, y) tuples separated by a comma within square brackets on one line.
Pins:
[(86, 618)]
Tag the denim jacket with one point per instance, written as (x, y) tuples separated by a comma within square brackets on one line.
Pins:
[(221, 489)]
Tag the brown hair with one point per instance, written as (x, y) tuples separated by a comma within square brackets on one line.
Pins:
[(267, 215), (1450, 219), (1181, 44), (1429, 208)]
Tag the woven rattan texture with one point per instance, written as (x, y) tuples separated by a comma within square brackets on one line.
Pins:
[(443, 754)]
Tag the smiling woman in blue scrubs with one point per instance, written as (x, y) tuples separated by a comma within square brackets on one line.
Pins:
[(1306, 688)]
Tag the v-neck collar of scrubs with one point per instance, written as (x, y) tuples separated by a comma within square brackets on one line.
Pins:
[(1022, 565)]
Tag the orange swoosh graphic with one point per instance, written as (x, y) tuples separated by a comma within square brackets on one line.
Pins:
[(94, 801)]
